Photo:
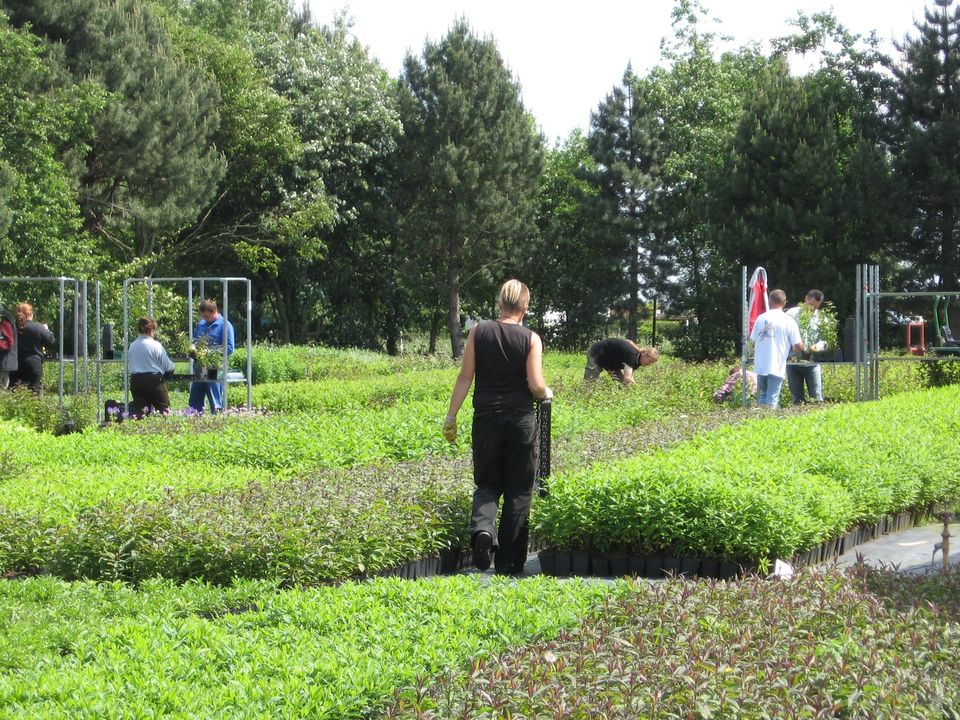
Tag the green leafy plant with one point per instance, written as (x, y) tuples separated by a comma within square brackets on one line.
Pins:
[(818, 325), (205, 355)]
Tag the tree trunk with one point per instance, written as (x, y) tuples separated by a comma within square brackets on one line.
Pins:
[(948, 274), (282, 316), (435, 321), (633, 306), (453, 309)]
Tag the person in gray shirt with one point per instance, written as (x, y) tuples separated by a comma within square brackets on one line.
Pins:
[(150, 366)]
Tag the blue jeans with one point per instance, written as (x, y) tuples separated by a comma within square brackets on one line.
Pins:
[(798, 375), (768, 390), (200, 391)]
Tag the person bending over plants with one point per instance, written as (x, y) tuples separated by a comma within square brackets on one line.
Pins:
[(506, 359), (619, 357)]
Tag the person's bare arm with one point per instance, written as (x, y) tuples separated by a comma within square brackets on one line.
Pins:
[(535, 380), (627, 375), (465, 379)]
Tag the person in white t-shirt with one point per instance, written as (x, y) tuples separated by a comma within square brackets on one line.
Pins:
[(774, 334)]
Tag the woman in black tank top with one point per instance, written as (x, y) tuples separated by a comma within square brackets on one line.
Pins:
[(507, 360)]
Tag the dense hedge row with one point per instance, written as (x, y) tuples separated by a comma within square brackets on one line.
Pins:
[(186, 497), (285, 363), (765, 489), (302, 531), (315, 379)]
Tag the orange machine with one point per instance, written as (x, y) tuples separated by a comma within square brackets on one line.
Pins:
[(915, 349)]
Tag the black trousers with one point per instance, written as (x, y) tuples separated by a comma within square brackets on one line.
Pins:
[(29, 373), (504, 466), (149, 390)]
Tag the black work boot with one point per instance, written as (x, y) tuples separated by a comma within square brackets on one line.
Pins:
[(482, 546)]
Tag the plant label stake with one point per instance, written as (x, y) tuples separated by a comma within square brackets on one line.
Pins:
[(543, 456), (945, 547)]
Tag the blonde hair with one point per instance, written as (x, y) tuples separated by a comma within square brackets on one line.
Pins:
[(778, 298), (650, 352), (514, 296)]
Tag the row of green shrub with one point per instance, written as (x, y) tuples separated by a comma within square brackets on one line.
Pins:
[(282, 363), (298, 531), (873, 644), (342, 424), (153, 497), (765, 489), (88, 650), (315, 379)]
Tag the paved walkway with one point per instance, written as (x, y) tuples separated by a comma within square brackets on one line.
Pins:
[(909, 551)]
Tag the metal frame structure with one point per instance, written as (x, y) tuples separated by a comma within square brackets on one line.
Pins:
[(224, 309), (79, 344), (744, 322), (867, 329)]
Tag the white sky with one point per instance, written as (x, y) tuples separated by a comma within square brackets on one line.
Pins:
[(568, 55)]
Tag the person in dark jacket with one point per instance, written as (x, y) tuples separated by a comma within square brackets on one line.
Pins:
[(32, 338), (619, 357), (8, 347), (507, 360)]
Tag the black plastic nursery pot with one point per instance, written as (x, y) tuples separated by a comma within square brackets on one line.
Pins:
[(709, 567), (548, 561), (619, 565), (689, 566), (653, 567), (599, 565), (727, 570), (671, 566)]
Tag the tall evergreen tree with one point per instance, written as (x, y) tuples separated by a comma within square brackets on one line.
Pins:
[(797, 184), (151, 166), (926, 115), (569, 270), (472, 158), (700, 98), (625, 141), (40, 222)]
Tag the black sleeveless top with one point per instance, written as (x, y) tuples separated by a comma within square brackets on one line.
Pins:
[(501, 351)]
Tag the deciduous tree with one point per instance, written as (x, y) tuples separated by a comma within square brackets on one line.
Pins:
[(472, 158)]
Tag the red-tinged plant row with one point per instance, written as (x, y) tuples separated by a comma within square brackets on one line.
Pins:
[(764, 489), (823, 645)]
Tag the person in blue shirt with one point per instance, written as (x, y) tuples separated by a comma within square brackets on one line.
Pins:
[(214, 330)]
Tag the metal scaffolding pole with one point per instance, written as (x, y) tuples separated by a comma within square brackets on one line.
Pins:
[(61, 329), (224, 378), (744, 338)]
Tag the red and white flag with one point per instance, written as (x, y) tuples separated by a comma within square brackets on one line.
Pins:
[(758, 296)]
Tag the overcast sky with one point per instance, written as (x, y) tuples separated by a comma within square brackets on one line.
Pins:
[(568, 55)]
